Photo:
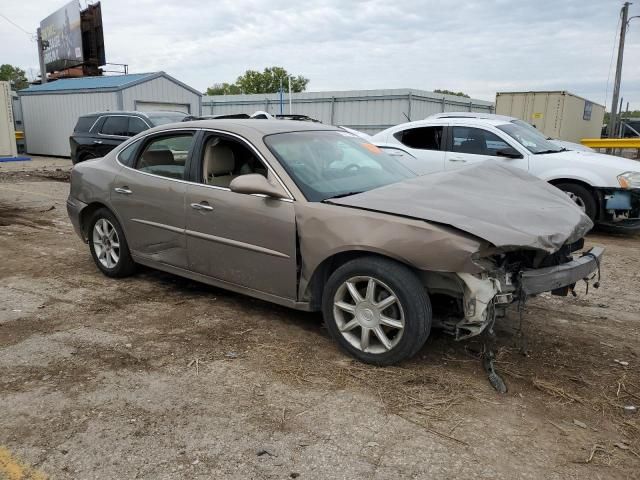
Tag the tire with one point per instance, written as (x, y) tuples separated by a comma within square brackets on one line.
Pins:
[(114, 261), (347, 323), (583, 198)]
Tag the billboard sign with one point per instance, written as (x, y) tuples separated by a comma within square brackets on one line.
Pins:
[(62, 37)]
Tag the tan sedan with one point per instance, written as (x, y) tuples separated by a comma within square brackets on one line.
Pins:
[(315, 218)]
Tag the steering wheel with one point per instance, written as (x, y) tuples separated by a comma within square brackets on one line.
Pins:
[(352, 166)]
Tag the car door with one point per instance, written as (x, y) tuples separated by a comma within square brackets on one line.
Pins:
[(241, 239), (425, 144), (467, 145), (149, 197), (112, 131)]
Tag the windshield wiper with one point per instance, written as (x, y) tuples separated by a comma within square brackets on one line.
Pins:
[(341, 195), (551, 151)]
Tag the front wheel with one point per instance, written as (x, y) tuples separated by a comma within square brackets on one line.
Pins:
[(582, 197), (377, 310), (108, 246)]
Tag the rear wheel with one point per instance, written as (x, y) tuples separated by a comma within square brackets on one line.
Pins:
[(377, 310), (582, 197), (108, 246)]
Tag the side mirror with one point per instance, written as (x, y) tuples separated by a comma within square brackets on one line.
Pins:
[(509, 153), (254, 183)]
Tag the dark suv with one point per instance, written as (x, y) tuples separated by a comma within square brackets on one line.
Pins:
[(96, 134)]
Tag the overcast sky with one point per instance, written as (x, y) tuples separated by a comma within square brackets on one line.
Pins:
[(476, 46)]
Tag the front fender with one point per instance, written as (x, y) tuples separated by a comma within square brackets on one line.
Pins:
[(593, 179), (326, 230)]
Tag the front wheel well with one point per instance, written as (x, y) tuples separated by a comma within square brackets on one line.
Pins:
[(329, 265), (558, 181), (597, 197)]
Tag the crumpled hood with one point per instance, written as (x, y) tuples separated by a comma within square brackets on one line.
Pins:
[(502, 205)]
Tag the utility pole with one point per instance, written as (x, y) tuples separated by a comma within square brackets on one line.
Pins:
[(43, 70), (613, 119)]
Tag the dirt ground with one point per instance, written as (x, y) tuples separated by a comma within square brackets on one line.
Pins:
[(158, 377)]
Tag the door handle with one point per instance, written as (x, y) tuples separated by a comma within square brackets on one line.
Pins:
[(123, 190), (457, 160), (201, 206), (99, 142)]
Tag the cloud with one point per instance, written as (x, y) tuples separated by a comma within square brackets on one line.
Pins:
[(479, 47)]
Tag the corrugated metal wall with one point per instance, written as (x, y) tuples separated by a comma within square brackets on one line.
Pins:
[(49, 119), (161, 90), (369, 111)]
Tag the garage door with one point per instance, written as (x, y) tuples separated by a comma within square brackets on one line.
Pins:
[(161, 106)]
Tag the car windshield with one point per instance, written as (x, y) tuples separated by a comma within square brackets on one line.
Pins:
[(329, 164), (529, 138), (166, 117)]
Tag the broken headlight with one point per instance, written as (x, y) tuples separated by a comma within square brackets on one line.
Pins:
[(629, 180)]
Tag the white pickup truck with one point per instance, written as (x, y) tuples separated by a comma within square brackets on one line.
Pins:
[(606, 187)]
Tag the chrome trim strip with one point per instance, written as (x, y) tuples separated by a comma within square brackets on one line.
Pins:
[(236, 243), (192, 130), (159, 225)]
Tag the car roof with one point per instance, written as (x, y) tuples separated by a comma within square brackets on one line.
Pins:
[(482, 115), (450, 121), (132, 112), (264, 127)]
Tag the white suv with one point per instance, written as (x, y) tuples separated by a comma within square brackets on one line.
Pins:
[(607, 188)]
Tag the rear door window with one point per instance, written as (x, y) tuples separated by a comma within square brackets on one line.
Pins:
[(477, 141), (136, 125), (166, 155), (422, 138), (116, 125)]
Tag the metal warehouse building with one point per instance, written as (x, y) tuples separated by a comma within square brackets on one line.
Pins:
[(50, 111), (369, 111)]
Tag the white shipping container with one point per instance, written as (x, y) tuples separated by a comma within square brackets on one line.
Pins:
[(557, 114)]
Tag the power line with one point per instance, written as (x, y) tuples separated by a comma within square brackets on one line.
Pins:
[(31, 34)]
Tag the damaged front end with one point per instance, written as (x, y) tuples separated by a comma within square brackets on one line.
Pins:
[(514, 276)]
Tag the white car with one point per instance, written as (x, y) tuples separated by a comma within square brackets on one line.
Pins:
[(578, 147), (607, 188)]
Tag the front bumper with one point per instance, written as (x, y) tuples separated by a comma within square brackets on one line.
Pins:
[(74, 209), (559, 276), (621, 210)]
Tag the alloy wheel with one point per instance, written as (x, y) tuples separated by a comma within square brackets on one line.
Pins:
[(106, 243), (368, 314), (578, 200)]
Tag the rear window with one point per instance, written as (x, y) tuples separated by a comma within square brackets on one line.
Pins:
[(422, 138), (84, 123)]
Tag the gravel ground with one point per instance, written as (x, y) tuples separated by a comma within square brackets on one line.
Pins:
[(158, 377)]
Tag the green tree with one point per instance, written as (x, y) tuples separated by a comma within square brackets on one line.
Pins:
[(14, 75), (223, 89), (449, 92), (267, 81)]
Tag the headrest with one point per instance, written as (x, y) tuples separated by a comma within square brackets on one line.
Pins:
[(157, 157), (218, 160)]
